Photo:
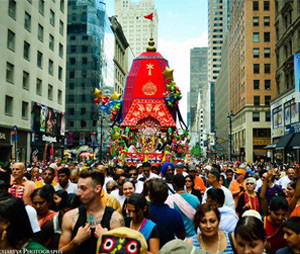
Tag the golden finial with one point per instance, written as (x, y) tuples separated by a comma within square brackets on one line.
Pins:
[(151, 47)]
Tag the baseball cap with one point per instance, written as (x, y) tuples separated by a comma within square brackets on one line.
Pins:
[(179, 247), (240, 171), (179, 165), (208, 167), (193, 168)]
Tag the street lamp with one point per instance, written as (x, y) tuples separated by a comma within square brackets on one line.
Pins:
[(229, 116), (101, 136)]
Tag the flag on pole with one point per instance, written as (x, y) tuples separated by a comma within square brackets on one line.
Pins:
[(150, 16)]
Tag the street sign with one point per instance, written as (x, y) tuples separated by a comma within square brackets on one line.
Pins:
[(14, 138)]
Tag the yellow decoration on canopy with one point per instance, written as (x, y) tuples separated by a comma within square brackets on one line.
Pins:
[(98, 93), (168, 73), (116, 96)]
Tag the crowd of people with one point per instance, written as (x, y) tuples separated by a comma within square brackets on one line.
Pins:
[(220, 207)]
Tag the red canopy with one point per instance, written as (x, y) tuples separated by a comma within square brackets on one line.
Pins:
[(144, 108)]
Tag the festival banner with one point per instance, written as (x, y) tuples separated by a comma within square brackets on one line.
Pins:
[(297, 72)]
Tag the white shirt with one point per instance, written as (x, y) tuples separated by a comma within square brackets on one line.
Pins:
[(120, 198), (229, 201), (139, 186), (229, 219), (259, 183), (284, 181), (70, 187), (32, 215), (152, 175)]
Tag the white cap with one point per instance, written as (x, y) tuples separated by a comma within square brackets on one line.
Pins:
[(252, 213), (208, 167)]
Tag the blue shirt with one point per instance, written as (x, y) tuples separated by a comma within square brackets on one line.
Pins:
[(285, 250), (168, 221)]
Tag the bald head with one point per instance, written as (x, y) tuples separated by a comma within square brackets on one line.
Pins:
[(291, 173), (18, 171)]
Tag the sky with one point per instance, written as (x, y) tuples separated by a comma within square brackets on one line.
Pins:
[(182, 26)]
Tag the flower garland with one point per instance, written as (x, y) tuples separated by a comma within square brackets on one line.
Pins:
[(17, 190)]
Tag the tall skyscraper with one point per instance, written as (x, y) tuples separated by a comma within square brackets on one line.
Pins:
[(32, 91), (136, 28), (198, 78), (218, 22), (252, 65), (90, 65)]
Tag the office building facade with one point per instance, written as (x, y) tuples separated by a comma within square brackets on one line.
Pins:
[(32, 91), (136, 28)]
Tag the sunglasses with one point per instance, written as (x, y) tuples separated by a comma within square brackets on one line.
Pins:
[(133, 174), (188, 181), (249, 183)]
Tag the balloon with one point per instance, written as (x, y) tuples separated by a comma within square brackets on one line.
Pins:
[(116, 96), (98, 93), (170, 104), (97, 100), (127, 129), (169, 130), (168, 73)]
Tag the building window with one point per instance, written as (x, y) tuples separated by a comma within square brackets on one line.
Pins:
[(255, 21), (40, 59), (62, 6), (268, 116), (267, 68), (277, 117), (8, 105), (84, 60), (267, 37), (255, 116), (60, 72), (71, 111), (72, 85), (255, 52), (72, 38), (72, 60), (256, 84), (84, 49), (71, 123), (12, 8), (256, 100), (85, 38), (267, 100), (73, 49), (83, 123), (11, 40), (72, 74), (266, 21), (39, 87), (84, 73), (24, 110), (255, 37), (26, 50), (267, 52), (51, 42), (52, 17), (256, 68), (25, 80), (40, 33), (59, 96), (50, 92), (83, 98), (27, 22), (41, 6), (267, 84), (255, 6), (266, 5), (61, 27), (61, 50), (82, 111), (291, 112), (50, 67), (10, 72)]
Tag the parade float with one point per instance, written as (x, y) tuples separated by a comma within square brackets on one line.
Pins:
[(144, 119)]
